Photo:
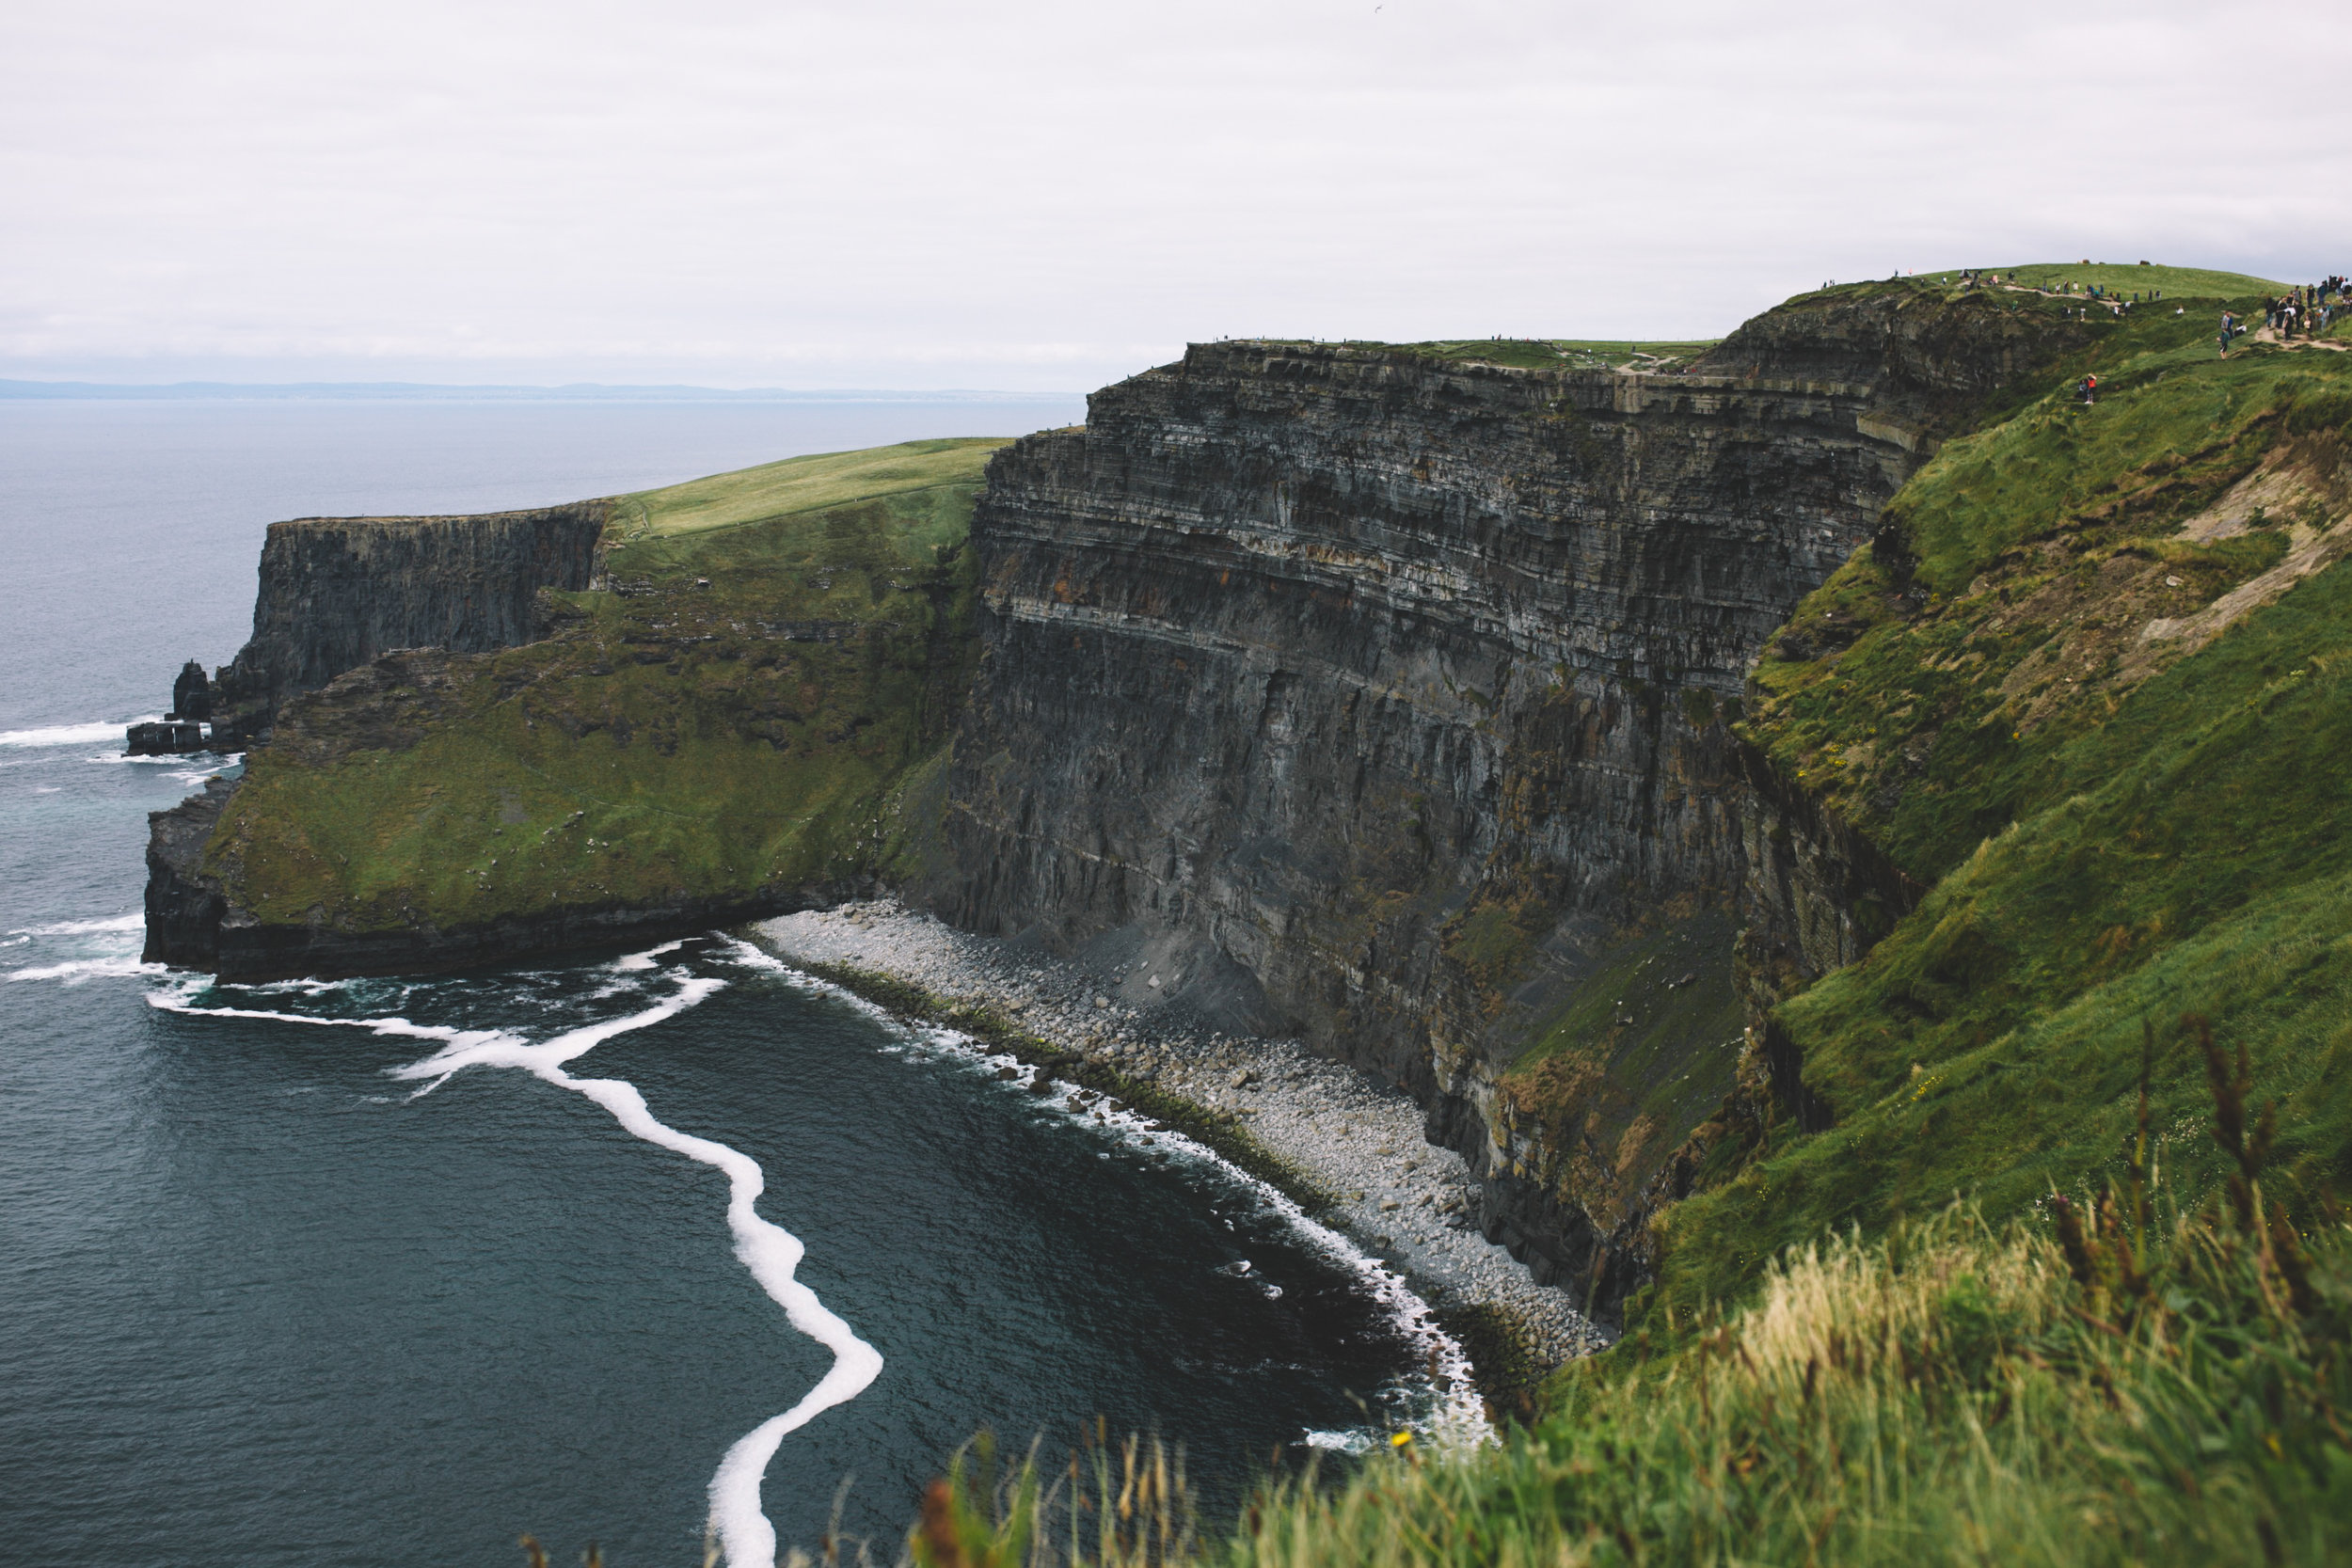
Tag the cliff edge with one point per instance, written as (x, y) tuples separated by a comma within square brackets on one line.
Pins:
[(1386, 698), (728, 715)]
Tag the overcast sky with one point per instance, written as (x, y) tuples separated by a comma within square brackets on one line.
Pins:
[(1040, 196)]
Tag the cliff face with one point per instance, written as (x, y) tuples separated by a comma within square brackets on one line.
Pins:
[(1376, 695), (185, 903), (338, 592), (723, 732), (1385, 699)]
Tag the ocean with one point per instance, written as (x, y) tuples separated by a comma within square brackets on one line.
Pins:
[(390, 1272)]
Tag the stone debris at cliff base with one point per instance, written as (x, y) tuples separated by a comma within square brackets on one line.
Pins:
[(1403, 1197)]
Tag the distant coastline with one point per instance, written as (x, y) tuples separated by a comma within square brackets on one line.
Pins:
[(416, 391)]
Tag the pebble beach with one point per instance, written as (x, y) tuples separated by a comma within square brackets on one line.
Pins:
[(1399, 1198)]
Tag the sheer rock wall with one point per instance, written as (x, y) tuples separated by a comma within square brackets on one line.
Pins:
[(338, 592), (1383, 700)]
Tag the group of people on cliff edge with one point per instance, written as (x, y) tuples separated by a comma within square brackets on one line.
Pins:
[(2310, 309)]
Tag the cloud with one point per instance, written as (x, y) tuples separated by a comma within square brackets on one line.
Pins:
[(1033, 195)]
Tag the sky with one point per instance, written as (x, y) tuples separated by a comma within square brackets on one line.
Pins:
[(1046, 196)]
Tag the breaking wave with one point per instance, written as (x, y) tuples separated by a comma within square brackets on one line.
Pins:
[(770, 1253), (73, 735)]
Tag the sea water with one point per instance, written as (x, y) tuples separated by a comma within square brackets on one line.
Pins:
[(613, 1246)]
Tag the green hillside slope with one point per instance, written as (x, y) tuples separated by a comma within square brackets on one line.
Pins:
[(2093, 685), (779, 650)]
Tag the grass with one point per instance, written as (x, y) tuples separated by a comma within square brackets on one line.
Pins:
[(1925, 695), (2120, 279), (1553, 354), (2124, 277), (1644, 1049), (736, 723), (2131, 1381), (803, 485), (2173, 425), (1541, 354), (2109, 836)]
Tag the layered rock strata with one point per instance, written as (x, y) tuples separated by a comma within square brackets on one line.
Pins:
[(1388, 696), (1361, 693), (338, 592)]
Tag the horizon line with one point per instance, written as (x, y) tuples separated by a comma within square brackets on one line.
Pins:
[(32, 390)]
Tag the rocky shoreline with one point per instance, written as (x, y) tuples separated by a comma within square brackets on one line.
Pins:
[(1357, 1147)]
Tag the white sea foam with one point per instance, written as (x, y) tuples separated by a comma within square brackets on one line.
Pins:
[(83, 927), (1458, 1416), (72, 735), (630, 963), (769, 1252), (81, 970), (303, 987), (166, 759)]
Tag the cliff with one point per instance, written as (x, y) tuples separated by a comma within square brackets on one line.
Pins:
[(1603, 755), (732, 721), (1384, 697), (338, 592)]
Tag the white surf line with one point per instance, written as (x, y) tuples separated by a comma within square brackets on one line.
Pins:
[(82, 970), (72, 735), (133, 922), (769, 1252), (106, 953), (1460, 1418)]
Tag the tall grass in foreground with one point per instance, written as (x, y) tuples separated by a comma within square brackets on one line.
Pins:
[(1135, 1511), (2123, 1384)]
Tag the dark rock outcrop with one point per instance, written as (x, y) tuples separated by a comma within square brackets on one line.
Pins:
[(186, 903), (191, 694), (1399, 685), (163, 737), (338, 592), (1934, 366), (1816, 895)]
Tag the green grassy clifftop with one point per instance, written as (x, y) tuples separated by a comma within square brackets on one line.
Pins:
[(776, 654)]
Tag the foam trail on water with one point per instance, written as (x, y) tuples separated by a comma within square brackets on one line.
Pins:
[(133, 922), (83, 970), (1460, 1417), (72, 735), (769, 1252), (632, 963)]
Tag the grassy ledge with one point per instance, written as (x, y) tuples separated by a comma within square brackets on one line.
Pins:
[(1534, 354), (731, 719)]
